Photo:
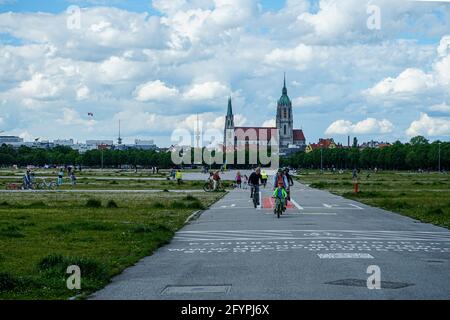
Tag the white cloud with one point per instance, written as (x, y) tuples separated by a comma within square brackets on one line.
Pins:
[(299, 56), (269, 123), (429, 126), (444, 46), (72, 117), (39, 87), (443, 108), (83, 93), (306, 101), (409, 81), (206, 91), (154, 90), (367, 126)]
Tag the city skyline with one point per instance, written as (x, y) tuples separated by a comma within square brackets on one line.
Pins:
[(159, 65)]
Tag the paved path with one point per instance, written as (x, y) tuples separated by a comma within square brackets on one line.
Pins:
[(320, 249)]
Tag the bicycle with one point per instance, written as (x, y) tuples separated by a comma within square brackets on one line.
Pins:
[(254, 196), (209, 186), (278, 207), (47, 186)]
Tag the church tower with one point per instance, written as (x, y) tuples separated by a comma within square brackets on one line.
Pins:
[(285, 119), (229, 126)]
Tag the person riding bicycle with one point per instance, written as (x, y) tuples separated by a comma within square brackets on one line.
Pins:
[(280, 177), (254, 181), (280, 193), (290, 182), (216, 180)]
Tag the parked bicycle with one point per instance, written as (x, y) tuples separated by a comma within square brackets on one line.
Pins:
[(44, 185)]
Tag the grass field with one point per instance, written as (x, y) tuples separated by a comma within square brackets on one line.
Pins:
[(42, 234), (107, 180), (422, 196)]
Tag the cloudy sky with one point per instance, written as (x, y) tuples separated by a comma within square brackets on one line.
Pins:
[(156, 64)]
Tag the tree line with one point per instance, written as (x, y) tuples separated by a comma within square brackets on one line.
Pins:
[(415, 155), (62, 155)]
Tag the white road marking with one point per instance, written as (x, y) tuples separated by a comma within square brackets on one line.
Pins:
[(319, 213), (334, 208), (327, 206), (345, 256), (260, 201), (299, 207), (358, 207)]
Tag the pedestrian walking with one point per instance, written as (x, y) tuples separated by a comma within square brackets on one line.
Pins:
[(239, 180)]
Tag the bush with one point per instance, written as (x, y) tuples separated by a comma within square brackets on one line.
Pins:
[(178, 205), (12, 231), (190, 198), (195, 205), (93, 203), (437, 211), (9, 282), (318, 185), (37, 205), (112, 204), (157, 205), (56, 266), (4, 204), (151, 228)]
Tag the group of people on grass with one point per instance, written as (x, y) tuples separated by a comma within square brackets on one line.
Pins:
[(29, 178)]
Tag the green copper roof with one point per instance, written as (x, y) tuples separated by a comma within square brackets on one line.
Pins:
[(284, 100)]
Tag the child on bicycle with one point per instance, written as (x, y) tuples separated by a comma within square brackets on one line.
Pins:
[(280, 193)]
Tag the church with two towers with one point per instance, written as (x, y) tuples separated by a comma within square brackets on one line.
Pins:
[(290, 140)]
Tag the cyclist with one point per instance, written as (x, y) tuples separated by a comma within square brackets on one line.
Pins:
[(280, 178), (280, 193), (254, 181), (216, 180), (290, 182), (264, 177)]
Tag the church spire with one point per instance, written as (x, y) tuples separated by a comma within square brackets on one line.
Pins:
[(230, 107), (284, 85)]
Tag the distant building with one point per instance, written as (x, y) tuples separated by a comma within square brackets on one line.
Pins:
[(145, 144), (322, 144), (83, 147), (98, 143), (65, 143), (10, 140), (374, 144)]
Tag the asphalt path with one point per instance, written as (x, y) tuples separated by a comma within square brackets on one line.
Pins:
[(323, 247)]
